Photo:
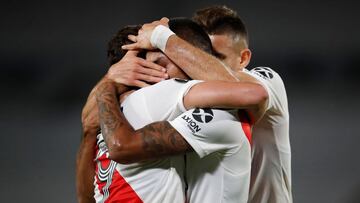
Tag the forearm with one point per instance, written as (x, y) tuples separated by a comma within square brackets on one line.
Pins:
[(240, 95), (195, 62), (85, 165), (85, 170), (115, 130), (89, 115), (127, 145)]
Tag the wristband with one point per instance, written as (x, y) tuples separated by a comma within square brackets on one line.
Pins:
[(160, 36)]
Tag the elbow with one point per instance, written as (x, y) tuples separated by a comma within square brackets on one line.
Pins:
[(119, 153), (262, 95), (258, 96)]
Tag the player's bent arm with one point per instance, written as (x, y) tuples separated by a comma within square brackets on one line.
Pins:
[(89, 115), (85, 165), (215, 94), (153, 141), (126, 145), (187, 57), (85, 169)]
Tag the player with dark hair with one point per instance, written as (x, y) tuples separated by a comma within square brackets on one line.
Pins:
[(271, 165), (228, 34), (233, 146), (114, 51), (270, 182), (85, 166)]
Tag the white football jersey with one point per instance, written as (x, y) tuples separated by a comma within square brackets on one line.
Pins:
[(271, 154), (220, 169), (157, 181)]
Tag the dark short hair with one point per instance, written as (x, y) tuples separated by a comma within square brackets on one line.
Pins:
[(114, 52), (221, 20), (191, 32)]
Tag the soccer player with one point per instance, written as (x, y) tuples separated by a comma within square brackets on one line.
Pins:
[(227, 146), (271, 165), (85, 167)]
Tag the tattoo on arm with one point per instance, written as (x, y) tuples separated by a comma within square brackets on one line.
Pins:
[(152, 141), (109, 113), (161, 139)]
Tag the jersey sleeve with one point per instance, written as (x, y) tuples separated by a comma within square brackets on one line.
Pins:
[(273, 84), (164, 100), (210, 130)]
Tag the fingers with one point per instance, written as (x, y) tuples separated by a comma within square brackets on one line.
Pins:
[(149, 78), (152, 69), (164, 20), (132, 38), (139, 83), (151, 65), (132, 53), (153, 73), (134, 46)]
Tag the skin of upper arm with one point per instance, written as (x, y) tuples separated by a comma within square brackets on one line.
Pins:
[(242, 95), (85, 169)]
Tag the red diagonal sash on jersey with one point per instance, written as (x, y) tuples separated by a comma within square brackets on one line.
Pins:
[(245, 124)]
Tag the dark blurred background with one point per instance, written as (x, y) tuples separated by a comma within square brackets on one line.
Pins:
[(53, 52)]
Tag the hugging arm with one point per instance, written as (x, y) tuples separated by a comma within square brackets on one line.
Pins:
[(216, 94), (127, 145), (160, 139), (185, 55), (85, 169), (85, 165), (132, 71)]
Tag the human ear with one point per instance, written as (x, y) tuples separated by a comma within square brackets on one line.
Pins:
[(245, 56)]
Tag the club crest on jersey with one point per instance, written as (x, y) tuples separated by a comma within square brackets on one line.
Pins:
[(263, 72)]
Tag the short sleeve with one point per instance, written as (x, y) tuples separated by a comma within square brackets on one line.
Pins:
[(209, 130), (273, 84), (161, 101), (183, 91)]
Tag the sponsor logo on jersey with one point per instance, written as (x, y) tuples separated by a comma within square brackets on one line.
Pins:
[(203, 115), (263, 72), (198, 115), (192, 125)]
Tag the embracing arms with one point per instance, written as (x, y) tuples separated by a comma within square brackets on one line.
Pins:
[(127, 145), (85, 165), (192, 60), (132, 71), (160, 139), (216, 94)]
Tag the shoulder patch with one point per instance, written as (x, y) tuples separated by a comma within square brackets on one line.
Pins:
[(263, 72)]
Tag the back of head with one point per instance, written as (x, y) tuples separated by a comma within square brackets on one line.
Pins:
[(191, 32), (115, 53), (218, 20)]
